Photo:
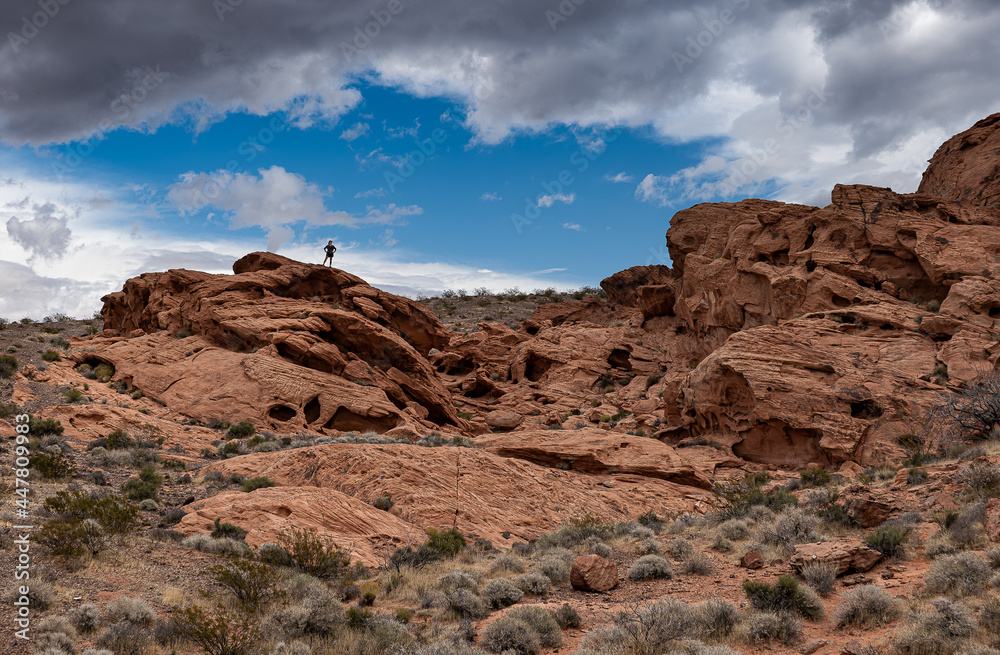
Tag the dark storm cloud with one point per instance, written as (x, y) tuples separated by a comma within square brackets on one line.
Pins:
[(522, 64)]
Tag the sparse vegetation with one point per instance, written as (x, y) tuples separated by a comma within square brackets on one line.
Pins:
[(868, 606), (786, 595)]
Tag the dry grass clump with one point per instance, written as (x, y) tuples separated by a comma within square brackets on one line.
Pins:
[(508, 635), (821, 576), (649, 567), (763, 627), (501, 593), (963, 574), (554, 568), (541, 621), (126, 609), (504, 564), (868, 606), (648, 546), (533, 583), (784, 596), (716, 619), (942, 629), (735, 529)]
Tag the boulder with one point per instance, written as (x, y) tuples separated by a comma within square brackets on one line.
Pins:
[(622, 287), (752, 560), (593, 573), (847, 555), (504, 419)]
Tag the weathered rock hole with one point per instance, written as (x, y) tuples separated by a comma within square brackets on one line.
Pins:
[(345, 420), (866, 409), (535, 367), (810, 240), (810, 266), (995, 312), (532, 330), (840, 301), (481, 389), (312, 410), (619, 358), (282, 413), (461, 367)]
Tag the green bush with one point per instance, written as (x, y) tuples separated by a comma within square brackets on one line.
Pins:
[(735, 498), (764, 627), (51, 356), (44, 426), (444, 544), (227, 531), (118, 440), (888, 540), (8, 366), (815, 477), (786, 595), (241, 430), (221, 632), (868, 606), (314, 555), (567, 617), (147, 485), (253, 585), (52, 465), (383, 502), (251, 484), (86, 525)]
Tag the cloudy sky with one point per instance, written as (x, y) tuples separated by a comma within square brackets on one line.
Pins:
[(448, 143)]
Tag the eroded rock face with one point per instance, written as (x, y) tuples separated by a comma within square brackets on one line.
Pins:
[(966, 168), (846, 555), (287, 345)]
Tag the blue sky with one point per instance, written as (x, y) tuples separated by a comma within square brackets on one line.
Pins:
[(465, 145)]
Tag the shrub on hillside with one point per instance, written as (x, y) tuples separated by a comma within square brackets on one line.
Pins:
[(314, 555), (507, 635), (541, 621), (253, 585), (888, 540), (146, 486), (86, 525), (868, 606), (786, 595), (942, 629), (501, 593), (8, 366), (533, 583), (821, 576), (52, 465), (962, 574), (650, 567), (764, 627)]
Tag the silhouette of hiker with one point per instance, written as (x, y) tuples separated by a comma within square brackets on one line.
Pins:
[(329, 249)]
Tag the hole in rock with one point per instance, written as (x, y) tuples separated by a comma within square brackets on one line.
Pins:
[(810, 266), (782, 445), (532, 330), (535, 367), (480, 390), (994, 312), (461, 367), (312, 410), (281, 413), (619, 358), (840, 301), (866, 409), (345, 420)]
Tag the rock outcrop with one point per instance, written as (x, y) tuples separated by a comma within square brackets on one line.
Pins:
[(593, 573), (846, 555)]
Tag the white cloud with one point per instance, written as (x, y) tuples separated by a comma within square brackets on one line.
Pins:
[(573, 226), (356, 131), (652, 189), (619, 177), (274, 198), (46, 235), (371, 193), (489, 195), (548, 201)]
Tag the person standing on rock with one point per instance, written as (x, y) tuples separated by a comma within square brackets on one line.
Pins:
[(329, 249)]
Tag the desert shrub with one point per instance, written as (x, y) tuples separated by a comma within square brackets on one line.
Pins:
[(815, 477), (508, 564), (460, 579), (465, 603), (43, 426), (533, 583), (293, 648), (734, 498), (252, 484), (567, 616), (52, 465), (716, 619), (697, 564), (73, 395), (274, 555), (86, 618), (554, 568), (319, 614), (941, 629), (764, 627), (52, 356), (103, 372), (507, 635), (868, 606), (383, 502), (147, 485), (314, 555), (915, 476), (126, 609), (888, 540), (125, 638), (241, 430), (41, 594), (973, 410), (227, 531), (793, 526), (599, 548), (989, 619), (8, 366), (148, 505), (680, 549), (721, 544), (160, 534), (648, 547), (501, 593), (735, 529), (981, 479), (542, 622), (967, 528), (253, 585), (786, 595), (84, 524), (650, 567), (820, 576), (220, 632), (118, 440), (172, 516), (656, 627), (52, 643), (962, 574), (444, 544)]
